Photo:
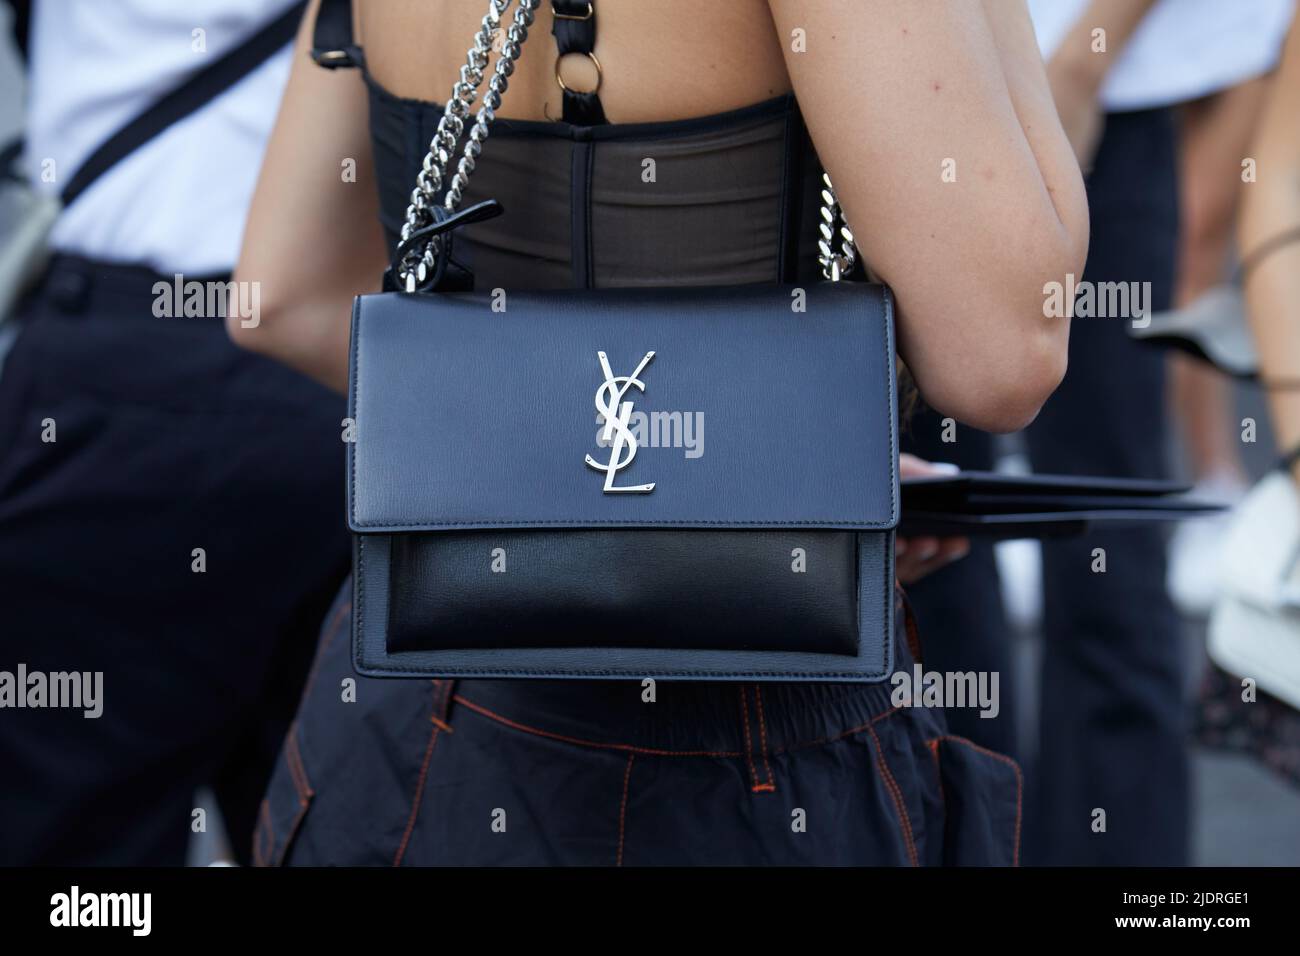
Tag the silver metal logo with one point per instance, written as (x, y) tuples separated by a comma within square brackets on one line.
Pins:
[(616, 414)]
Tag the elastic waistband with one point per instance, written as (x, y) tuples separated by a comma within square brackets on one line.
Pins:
[(686, 718)]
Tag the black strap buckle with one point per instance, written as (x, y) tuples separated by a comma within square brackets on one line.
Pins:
[(336, 59), (443, 223), (555, 10)]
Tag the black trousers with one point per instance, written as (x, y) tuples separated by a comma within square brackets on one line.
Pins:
[(1112, 718), (166, 439), (1112, 734)]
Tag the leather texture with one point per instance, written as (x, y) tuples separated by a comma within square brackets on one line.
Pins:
[(470, 418), (373, 586), (472, 425), (757, 590)]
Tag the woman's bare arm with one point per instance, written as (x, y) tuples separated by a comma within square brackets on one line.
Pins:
[(1271, 207), (893, 100), (313, 239), (888, 98)]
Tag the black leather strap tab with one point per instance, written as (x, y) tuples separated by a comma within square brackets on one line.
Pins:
[(448, 276), (332, 42), (575, 32)]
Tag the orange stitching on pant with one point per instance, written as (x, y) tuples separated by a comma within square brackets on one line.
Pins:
[(933, 746), (292, 758), (904, 822), (622, 810), (289, 761), (439, 717), (301, 783), (840, 736), (331, 630), (293, 830), (762, 734), (419, 789), (1015, 849), (297, 768), (659, 751), (625, 748), (264, 832), (754, 785)]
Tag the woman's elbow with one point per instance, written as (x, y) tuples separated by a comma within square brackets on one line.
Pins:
[(260, 328), (1005, 397), (999, 374), (1012, 401), (1030, 356), (246, 331)]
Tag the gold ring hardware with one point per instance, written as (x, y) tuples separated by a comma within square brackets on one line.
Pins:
[(570, 16), (600, 74), (332, 56)]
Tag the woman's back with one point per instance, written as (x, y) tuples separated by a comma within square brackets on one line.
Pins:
[(936, 124), (723, 197), (660, 60)]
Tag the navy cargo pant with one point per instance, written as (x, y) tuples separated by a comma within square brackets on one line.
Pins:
[(171, 516)]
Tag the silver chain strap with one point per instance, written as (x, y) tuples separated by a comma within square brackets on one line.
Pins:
[(417, 263), (834, 263)]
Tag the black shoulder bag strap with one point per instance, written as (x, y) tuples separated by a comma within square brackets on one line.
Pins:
[(575, 32), (194, 92), (21, 23), (332, 44)]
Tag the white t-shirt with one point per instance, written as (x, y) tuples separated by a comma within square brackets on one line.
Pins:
[(1182, 50), (178, 203)]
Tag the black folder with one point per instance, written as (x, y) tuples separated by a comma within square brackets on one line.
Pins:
[(993, 505)]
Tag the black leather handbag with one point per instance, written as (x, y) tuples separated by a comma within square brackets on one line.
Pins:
[(519, 491)]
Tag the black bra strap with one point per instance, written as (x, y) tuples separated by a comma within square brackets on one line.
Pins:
[(575, 32), (332, 44)]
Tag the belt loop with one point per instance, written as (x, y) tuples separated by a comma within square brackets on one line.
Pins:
[(761, 779), (443, 691)]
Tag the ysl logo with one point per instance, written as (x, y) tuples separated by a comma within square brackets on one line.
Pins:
[(616, 413)]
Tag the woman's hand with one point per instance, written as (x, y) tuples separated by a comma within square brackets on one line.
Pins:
[(917, 557)]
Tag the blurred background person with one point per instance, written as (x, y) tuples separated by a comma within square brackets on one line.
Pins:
[(1111, 726), (1215, 134), (1112, 722), (1251, 699), (170, 506)]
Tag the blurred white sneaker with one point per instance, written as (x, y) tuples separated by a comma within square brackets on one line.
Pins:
[(1196, 549), (1020, 565), (1020, 568)]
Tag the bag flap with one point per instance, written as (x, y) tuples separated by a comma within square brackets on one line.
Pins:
[(475, 412)]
